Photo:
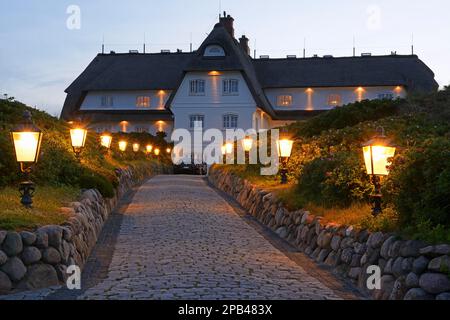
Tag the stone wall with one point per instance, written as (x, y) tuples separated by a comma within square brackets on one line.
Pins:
[(39, 259), (411, 270)]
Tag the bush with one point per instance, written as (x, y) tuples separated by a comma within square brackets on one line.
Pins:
[(337, 181), (94, 181), (419, 184)]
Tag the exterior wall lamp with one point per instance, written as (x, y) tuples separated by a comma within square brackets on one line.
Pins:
[(78, 139), (378, 153), (26, 138), (284, 146)]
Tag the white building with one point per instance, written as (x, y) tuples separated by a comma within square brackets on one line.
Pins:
[(222, 86)]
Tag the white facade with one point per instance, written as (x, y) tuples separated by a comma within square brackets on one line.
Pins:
[(214, 104), (312, 99), (125, 100)]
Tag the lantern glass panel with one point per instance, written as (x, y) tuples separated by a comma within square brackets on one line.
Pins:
[(105, 141), (285, 148), (377, 159), (27, 145), (78, 137)]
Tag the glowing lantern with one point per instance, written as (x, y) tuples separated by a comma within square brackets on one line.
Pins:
[(378, 153), (284, 146), (27, 140), (123, 145), (229, 148), (168, 150), (247, 144), (78, 138), (149, 148), (157, 152), (106, 140), (136, 147)]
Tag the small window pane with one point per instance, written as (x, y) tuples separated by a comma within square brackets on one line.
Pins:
[(334, 100), (230, 121), (386, 96), (230, 87), (107, 101), (143, 102), (284, 100), (197, 87), (196, 121)]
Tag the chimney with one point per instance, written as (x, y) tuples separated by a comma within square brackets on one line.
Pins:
[(228, 22), (243, 41)]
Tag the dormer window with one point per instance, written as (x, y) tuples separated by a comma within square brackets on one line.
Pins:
[(334, 100), (214, 51), (143, 102), (284, 100)]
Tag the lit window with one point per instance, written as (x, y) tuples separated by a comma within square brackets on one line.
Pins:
[(334, 100), (107, 101), (230, 87), (143, 102), (197, 87), (196, 121), (284, 100), (386, 96), (230, 121), (214, 51)]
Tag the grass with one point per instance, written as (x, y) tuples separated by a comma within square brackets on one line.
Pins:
[(46, 207)]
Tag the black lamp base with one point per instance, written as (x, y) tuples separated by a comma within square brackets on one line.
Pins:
[(27, 190)]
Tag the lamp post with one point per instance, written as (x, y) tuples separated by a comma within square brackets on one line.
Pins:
[(247, 144), (377, 154), (78, 138), (27, 140), (106, 140), (284, 146)]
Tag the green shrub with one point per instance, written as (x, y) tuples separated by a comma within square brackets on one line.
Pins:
[(419, 184), (94, 181), (336, 181)]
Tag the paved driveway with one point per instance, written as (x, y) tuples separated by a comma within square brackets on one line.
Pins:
[(179, 239)]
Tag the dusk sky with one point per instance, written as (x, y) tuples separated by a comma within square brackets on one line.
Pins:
[(40, 56)]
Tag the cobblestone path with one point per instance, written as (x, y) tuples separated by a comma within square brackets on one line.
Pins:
[(179, 239)]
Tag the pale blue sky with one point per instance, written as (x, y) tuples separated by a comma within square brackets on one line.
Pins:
[(40, 56)]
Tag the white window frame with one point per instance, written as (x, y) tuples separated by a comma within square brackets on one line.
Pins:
[(196, 118), (281, 100), (197, 87), (107, 101), (230, 121), (141, 101), (230, 87)]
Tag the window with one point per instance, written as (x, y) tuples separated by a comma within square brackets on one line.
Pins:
[(230, 121), (143, 102), (230, 87), (386, 96), (284, 100), (196, 121), (197, 87), (142, 129), (107, 101), (334, 100), (214, 51)]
